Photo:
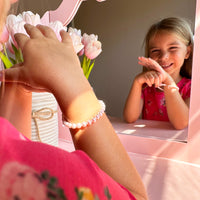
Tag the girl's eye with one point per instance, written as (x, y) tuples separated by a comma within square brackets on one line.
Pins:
[(155, 51), (173, 48)]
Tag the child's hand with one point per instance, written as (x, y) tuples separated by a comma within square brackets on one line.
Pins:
[(150, 78), (48, 63), (153, 65)]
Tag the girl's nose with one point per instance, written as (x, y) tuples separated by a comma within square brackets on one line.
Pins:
[(164, 55)]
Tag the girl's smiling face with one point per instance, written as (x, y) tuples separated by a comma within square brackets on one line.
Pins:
[(170, 51)]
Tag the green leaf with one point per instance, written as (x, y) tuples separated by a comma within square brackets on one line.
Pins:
[(12, 60), (79, 194), (84, 63), (87, 66), (18, 54), (89, 70), (107, 193), (61, 194), (6, 61), (88, 61), (52, 181), (45, 175)]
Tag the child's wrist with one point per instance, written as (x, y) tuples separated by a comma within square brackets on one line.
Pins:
[(82, 108), (169, 81), (137, 83)]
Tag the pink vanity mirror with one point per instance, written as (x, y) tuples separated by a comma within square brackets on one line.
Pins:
[(186, 150), (183, 148), (178, 149)]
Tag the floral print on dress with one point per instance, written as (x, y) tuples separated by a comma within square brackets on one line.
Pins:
[(161, 112), (162, 102), (149, 102), (21, 182)]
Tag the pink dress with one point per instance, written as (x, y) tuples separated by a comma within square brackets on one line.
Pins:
[(154, 101), (36, 171)]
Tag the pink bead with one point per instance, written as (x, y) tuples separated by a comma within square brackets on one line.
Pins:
[(86, 123)]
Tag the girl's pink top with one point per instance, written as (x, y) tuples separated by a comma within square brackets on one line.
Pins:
[(154, 101), (37, 171)]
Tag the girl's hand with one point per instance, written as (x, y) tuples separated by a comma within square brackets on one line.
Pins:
[(47, 62), (150, 78), (153, 65)]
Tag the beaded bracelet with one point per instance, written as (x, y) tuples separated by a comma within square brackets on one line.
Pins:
[(85, 123), (169, 86)]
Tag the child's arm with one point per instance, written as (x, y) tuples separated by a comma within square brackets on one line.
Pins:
[(134, 103), (177, 108)]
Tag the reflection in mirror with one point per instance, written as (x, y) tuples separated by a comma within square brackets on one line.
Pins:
[(122, 38)]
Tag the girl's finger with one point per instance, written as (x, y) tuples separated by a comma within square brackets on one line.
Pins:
[(33, 31), (65, 37), (156, 81), (161, 77), (145, 62), (148, 82), (21, 39), (151, 78), (47, 31)]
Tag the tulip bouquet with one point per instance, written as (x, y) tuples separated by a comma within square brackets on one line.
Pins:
[(87, 46), (90, 49)]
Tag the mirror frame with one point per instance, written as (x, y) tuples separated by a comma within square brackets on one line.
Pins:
[(66, 11), (187, 152)]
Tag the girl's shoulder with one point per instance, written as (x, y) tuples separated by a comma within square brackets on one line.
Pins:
[(184, 87), (184, 80)]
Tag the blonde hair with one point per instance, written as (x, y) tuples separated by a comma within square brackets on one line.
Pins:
[(182, 28)]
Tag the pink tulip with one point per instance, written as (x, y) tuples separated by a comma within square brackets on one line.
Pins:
[(30, 18), (17, 28), (88, 38), (11, 20), (57, 26), (14, 24), (92, 46), (93, 49), (76, 39), (81, 52)]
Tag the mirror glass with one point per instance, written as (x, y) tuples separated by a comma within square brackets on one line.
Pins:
[(121, 27)]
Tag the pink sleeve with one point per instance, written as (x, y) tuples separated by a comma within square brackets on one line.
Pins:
[(37, 165), (186, 90)]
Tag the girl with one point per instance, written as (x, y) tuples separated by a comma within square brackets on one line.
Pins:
[(162, 91)]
